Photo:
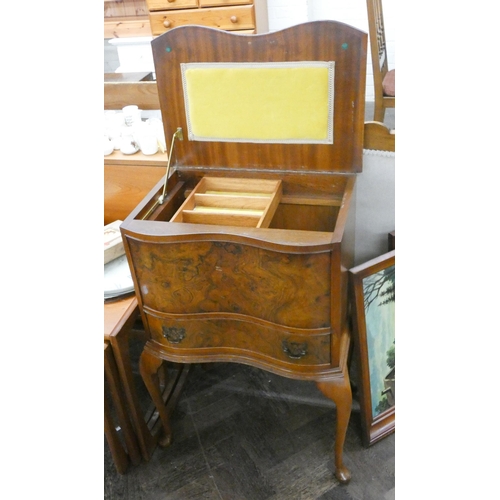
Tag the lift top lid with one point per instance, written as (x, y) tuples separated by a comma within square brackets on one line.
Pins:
[(291, 100)]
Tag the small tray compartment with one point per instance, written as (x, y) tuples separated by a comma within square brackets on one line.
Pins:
[(231, 202)]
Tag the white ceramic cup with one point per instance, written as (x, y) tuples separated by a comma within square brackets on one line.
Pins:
[(108, 146), (148, 144), (131, 114), (128, 144)]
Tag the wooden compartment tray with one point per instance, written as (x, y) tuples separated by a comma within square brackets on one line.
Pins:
[(231, 202)]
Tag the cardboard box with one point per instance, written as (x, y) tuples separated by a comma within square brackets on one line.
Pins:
[(113, 244)]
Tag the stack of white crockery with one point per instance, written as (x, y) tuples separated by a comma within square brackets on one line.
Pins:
[(126, 131)]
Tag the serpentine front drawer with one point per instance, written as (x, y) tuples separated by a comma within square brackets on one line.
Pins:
[(202, 336)]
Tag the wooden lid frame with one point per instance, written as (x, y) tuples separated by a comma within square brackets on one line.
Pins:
[(327, 41)]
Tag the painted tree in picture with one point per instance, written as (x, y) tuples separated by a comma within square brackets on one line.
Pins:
[(379, 292)]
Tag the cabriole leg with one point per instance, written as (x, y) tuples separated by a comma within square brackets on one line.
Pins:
[(149, 366), (339, 391)]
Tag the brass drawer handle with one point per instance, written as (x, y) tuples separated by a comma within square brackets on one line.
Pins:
[(174, 335), (294, 350)]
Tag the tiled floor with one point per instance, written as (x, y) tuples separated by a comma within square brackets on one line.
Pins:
[(243, 434)]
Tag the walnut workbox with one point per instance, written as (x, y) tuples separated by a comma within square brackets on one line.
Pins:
[(240, 253)]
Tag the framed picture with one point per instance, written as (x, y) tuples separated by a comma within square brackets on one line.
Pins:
[(391, 241), (373, 293)]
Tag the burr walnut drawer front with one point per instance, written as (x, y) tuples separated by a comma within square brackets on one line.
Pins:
[(204, 336), (224, 18)]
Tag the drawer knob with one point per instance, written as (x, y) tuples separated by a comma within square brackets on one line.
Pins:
[(167, 23), (171, 1), (233, 19), (294, 350), (174, 335)]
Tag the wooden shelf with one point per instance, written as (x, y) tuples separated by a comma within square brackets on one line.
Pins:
[(118, 158)]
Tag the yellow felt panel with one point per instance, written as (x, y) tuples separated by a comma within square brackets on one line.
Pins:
[(260, 103)]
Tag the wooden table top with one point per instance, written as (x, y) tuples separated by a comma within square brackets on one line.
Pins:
[(116, 313)]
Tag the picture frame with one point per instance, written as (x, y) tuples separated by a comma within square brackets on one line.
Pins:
[(373, 296), (391, 241)]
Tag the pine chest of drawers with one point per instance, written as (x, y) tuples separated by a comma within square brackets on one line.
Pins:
[(245, 16)]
